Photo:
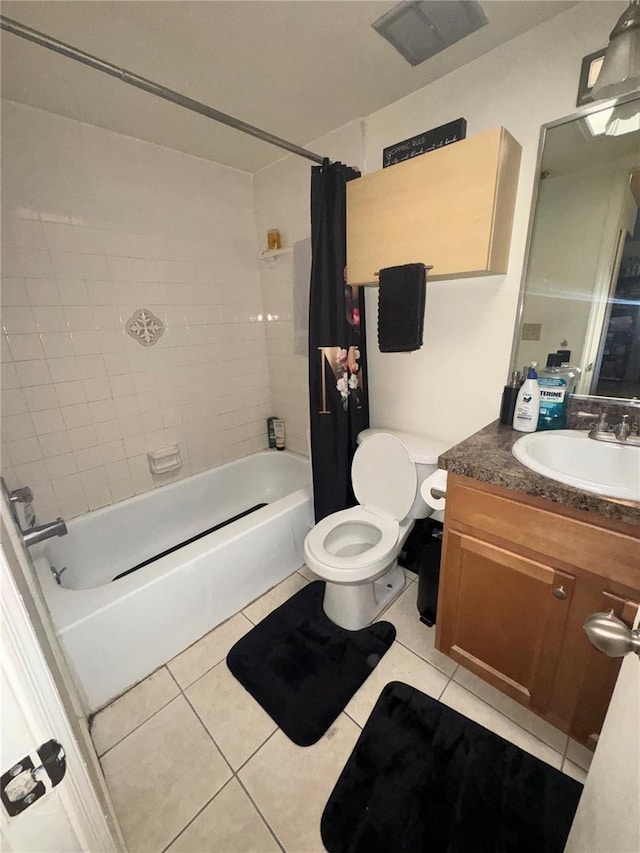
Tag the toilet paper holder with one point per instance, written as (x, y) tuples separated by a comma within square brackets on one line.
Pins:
[(434, 490)]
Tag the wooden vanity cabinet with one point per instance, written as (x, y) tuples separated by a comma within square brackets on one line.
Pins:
[(451, 208), (518, 578)]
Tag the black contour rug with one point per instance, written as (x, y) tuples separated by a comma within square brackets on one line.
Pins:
[(302, 668), (424, 778)]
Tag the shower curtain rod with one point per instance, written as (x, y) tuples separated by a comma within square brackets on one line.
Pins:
[(156, 89)]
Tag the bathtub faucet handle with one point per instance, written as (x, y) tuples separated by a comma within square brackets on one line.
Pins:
[(22, 495), (57, 574)]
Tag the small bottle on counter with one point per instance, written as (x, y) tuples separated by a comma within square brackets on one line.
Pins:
[(525, 417), (509, 397)]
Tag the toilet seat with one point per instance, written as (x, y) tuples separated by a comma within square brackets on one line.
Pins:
[(384, 481), (355, 567)]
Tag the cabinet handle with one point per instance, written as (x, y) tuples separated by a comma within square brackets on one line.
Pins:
[(560, 593)]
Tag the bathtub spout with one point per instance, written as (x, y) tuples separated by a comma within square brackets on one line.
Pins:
[(44, 531)]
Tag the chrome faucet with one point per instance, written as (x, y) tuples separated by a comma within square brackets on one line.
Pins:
[(34, 534), (623, 430), (44, 531), (620, 433)]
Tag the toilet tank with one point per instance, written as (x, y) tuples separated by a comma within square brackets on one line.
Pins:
[(424, 451)]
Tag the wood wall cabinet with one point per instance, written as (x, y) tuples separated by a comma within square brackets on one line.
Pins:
[(451, 208), (519, 576)]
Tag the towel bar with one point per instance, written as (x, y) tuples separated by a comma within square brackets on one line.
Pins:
[(427, 268)]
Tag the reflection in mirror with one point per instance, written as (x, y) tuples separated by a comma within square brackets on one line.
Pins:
[(581, 293)]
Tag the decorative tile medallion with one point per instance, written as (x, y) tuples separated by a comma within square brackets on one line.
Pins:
[(145, 327)]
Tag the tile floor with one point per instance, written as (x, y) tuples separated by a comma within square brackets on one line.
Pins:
[(194, 765)]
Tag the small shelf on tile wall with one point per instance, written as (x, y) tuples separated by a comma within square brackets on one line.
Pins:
[(270, 255)]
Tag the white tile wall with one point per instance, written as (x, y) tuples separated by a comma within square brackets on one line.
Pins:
[(282, 199), (95, 225)]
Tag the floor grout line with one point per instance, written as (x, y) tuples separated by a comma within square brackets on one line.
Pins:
[(197, 814), (135, 729), (196, 680), (217, 663), (515, 722), (522, 728), (257, 749), (206, 634), (264, 819), (234, 774), (449, 680), (350, 717), (175, 679), (226, 760), (92, 714), (423, 659)]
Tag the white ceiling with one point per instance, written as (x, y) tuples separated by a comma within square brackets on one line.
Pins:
[(298, 68)]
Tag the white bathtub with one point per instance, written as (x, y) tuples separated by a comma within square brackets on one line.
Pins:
[(117, 632)]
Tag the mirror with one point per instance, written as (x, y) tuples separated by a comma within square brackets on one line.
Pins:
[(580, 297)]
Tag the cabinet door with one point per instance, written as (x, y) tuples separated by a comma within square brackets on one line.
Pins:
[(451, 209), (502, 616)]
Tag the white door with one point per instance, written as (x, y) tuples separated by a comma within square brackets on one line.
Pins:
[(608, 816), (69, 817), (40, 702)]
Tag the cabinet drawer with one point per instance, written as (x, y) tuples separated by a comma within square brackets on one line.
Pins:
[(556, 537)]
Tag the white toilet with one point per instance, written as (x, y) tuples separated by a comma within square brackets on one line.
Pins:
[(356, 550)]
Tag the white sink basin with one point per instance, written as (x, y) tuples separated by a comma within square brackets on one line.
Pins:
[(571, 457)]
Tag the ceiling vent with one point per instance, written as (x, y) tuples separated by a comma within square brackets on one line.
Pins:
[(418, 29)]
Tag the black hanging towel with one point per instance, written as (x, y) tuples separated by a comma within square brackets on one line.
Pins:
[(338, 399), (401, 301)]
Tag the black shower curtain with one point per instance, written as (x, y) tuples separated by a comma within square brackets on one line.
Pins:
[(339, 406)]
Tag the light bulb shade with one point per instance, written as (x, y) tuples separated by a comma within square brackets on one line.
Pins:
[(620, 72), (625, 118)]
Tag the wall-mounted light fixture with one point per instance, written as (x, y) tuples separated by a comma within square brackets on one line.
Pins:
[(620, 72), (615, 121)]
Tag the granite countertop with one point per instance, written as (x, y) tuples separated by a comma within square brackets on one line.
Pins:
[(486, 456)]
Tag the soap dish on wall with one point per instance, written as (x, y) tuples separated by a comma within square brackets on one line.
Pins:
[(274, 254), (165, 459)]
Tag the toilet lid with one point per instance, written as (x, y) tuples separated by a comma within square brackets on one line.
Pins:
[(384, 476)]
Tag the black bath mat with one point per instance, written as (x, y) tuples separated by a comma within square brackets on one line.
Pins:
[(302, 668), (424, 778)]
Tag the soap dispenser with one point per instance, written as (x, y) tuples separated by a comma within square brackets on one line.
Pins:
[(525, 418)]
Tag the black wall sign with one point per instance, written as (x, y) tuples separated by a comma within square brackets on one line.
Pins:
[(453, 131)]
